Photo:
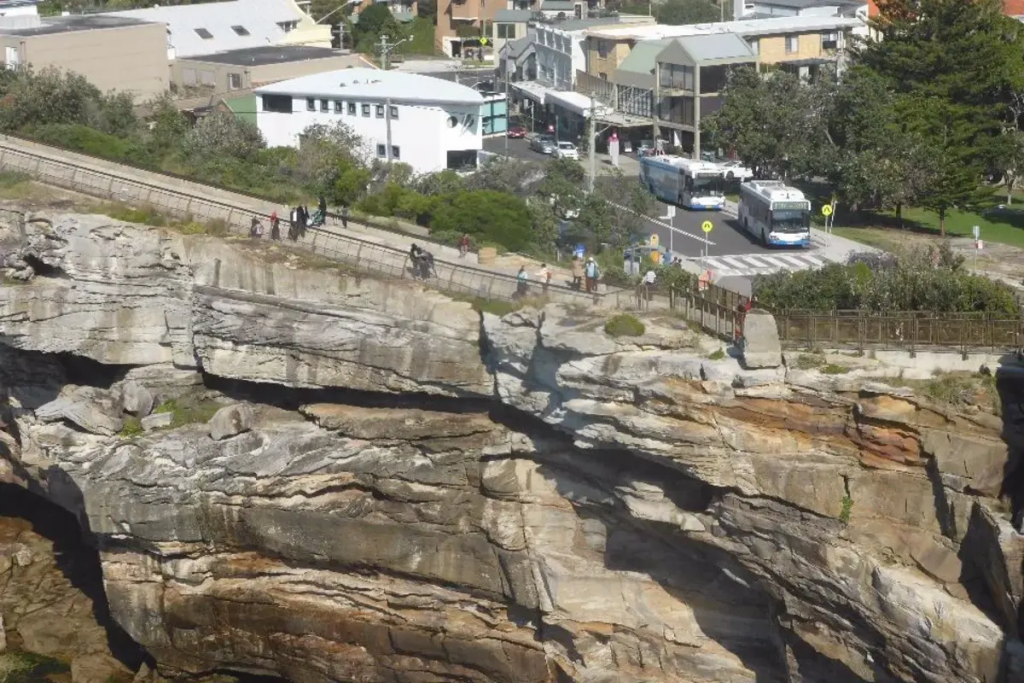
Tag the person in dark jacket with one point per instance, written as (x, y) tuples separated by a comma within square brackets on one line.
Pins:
[(344, 217), (322, 205)]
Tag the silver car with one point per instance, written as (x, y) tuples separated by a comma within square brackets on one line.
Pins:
[(545, 144)]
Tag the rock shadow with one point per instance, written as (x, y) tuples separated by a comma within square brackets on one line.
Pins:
[(77, 558)]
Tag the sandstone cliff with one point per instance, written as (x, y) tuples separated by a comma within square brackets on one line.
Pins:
[(395, 487)]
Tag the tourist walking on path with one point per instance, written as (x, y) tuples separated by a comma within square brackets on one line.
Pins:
[(275, 226), (545, 277), (463, 245), (592, 273), (522, 282), (344, 217), (577, 273)]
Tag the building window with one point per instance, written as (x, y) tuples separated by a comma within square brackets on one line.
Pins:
[(507, 31), (287, 26), (379, 111), (351, 108), (310, 104), (240, 30), (204, 34), (280, 104), (325, 106), (602, 48), (338, 106), (234, 81), (829, 41), (396, 153), (382, 151), (603, 75), (755, 46), (792, 44), (393, 111), (366, 110)]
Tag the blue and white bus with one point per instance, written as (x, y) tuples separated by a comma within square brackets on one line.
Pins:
[(696, 185), (775, 213)]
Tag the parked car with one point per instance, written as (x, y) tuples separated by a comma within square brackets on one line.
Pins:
[(567, 150), (735, 170), (545, 144), (517, 132)]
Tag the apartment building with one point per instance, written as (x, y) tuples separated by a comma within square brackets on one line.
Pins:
[(242, 70), (798, 43)]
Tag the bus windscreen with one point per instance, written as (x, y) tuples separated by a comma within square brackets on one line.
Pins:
[(791, 220), (708, 183)]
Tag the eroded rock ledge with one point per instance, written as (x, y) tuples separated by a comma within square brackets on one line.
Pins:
[(519, 499)]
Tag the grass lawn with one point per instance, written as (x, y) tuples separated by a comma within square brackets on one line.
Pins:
[(882, 229)]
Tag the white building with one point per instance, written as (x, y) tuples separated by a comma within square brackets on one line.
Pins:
[(212, 27), (429, 123)]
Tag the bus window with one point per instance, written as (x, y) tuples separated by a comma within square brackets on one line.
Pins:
[(689, 183)]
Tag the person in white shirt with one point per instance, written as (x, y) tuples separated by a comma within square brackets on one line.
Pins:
[(544, 276), (649, 278)]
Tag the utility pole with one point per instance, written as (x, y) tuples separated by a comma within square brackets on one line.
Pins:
[(592, 142), (508, 108), (386, 48)]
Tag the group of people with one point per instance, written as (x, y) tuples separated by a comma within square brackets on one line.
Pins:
[(299, 219), (422, 263), (586, 273)]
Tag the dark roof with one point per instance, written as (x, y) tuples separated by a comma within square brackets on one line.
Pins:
[(518, 46), (78, 22), (268, 54)]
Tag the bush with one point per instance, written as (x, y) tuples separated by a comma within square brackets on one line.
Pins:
[(81, 138), (918, 280), (624, 325), (486, 215)]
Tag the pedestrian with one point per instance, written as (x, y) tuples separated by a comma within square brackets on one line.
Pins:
[(322, 205), (592, 274), (293, 228), (741, 314), (649, 279), (255, 228), (545, 277), (303, 220), (275, 226), (344, 217), (522, 282), (427, 264), (463, 245), (577, 273)]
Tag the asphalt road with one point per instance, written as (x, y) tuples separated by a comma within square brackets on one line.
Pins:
[(517, 149)]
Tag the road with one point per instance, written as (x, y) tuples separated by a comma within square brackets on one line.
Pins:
[(732, 255)]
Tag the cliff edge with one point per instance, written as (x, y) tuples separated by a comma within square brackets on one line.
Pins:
[(290, 469)]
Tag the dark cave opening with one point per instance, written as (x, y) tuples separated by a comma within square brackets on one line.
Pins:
[(43, 269)]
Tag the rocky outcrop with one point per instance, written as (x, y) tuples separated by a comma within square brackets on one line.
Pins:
[(519, 499)]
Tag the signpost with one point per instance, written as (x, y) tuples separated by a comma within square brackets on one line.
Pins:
[(707, 227)]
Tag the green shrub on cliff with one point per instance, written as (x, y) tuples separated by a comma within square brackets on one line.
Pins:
[(624, 325)]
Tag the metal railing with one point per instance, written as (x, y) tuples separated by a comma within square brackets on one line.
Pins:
[(904, 330)]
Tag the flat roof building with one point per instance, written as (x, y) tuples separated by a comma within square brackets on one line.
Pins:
[(248, 68), (429, 123), (112, 53)]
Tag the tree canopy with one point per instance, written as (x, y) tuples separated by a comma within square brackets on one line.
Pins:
[(920, 116), (680, 12)]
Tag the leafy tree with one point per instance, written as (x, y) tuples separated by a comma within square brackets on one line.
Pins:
[(562, 187), (375, 21), (325, 151), (114, 113), (679, 12), (222, 135), (47, 96), (1010, 163), (774, 123), (487, 215), (168, 126)]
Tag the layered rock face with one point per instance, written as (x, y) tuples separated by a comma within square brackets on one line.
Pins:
[(397, 488)]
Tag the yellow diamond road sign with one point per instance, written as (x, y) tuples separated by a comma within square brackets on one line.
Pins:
[(707, 226), (826, 210)]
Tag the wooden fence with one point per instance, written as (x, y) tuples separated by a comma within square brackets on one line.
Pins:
[(905, 330)]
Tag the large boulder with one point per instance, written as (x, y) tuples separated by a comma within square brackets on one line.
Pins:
[(231, 421), (761, 345), (94, 410)]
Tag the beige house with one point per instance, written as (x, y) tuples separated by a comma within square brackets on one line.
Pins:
[(112, 53), (798, 43), (243, 70)]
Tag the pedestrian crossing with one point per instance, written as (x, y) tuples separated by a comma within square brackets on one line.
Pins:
[(748, 265)]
